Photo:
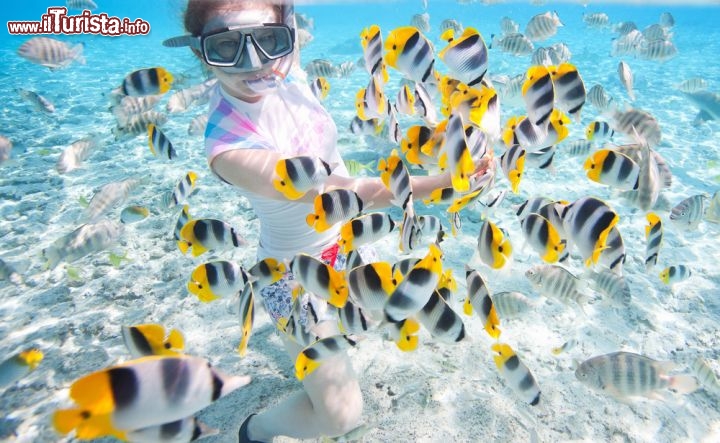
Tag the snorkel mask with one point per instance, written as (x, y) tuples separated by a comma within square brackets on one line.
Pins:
[(247, 49)]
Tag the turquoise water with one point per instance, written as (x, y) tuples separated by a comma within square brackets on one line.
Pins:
[(440, 392)]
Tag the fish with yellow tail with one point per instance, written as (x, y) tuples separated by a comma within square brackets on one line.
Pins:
[(148, 81), (160, 145), (18, 366), (320, 88), (298, 175), (293, 329), (653, 236), (624, 375), (675, 274), (405, 102), (396, 178), (405, 334), (539, 94), (587, 222), (424, 106), (543, 237), (336, 206), (612, 168), (183, 218), (370, 102), (310, 358), (456, 155), (516, 374), (569, 89), (599, 131), (443, 323), (371, 284), (320, 278), (207, 234), (416, 137), (247, 317), (149, 391), (152, 339), (466, 55), (365, 229), (182, 190), (372, 44), (217, 279), (478, 298), (416, 288), (494, 249), (408, 51), (184, 430), (512, 163)]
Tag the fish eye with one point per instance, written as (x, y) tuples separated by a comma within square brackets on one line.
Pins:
[(394, 47), (85, 415), (167, 346), (500, 249)]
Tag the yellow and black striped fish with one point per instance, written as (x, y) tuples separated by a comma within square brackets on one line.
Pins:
[(150, 81)]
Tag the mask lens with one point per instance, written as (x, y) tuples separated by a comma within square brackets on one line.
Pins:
[(274, 41), (222, 48)]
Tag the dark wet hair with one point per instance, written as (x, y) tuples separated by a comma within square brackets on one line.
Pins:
[(199, 12)]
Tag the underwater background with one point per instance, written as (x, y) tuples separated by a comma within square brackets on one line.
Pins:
[(441, 392)]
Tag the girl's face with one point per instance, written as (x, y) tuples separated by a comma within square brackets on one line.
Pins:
[(235, 83)]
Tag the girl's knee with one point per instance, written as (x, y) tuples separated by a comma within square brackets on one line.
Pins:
[(344, 414)]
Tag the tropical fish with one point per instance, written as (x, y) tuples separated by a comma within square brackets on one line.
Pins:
[(207, 234), (40, 103), (542, 236), (73, 156), (653, 235), (457, 155), (539, 94), (542, 26), (137, 124), (51, 53), (568, 345), (133, 214), (599, 98), (440, 320), (705, 375), (625, 374), (18, 366), (310, 358), (478, 298), (371, 40), (466, 55), (626, 78), (320, 88), (516, 374), (512, 163), (555, 281), (411, 53), (152, 339), (569, 89), (596, 20), (587, 222), (160, 145), (613, 286), (613, 169), (494, 249), (415, 290), (148, 81), (217, 279), (365, 229), (86, 239), (336, 206), (396, 178), (298, 175), (320, 278), (149, 391), (515, 44), (688, 213), (675, 274), (510, 304)]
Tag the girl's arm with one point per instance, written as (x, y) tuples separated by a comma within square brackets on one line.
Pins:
[(254, 171)]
